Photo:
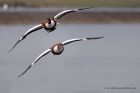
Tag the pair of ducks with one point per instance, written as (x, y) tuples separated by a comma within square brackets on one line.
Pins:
[(50, 25)]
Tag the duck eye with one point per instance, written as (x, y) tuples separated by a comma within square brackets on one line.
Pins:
[(49, 21)]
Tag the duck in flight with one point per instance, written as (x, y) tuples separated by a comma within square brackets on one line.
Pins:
[(57, 49), (49, 24)]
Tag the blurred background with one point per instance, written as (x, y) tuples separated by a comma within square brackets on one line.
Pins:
[(34, 11), (84, 67)]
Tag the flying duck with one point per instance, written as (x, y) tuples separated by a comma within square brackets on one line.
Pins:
[(57, 49), (49, 24)]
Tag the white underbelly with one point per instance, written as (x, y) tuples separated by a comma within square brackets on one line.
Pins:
[(50, 25), (57, 50)]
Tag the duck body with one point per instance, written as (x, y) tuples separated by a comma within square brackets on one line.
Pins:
[(49, 24), (57, 49)]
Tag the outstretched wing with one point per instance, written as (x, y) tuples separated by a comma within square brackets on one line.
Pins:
[(35, 61), (80, 39), (59, 15), (33, 29)]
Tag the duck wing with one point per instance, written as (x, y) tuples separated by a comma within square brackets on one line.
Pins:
[(61, 14), (80, 39), (31, 30), (35, 61)]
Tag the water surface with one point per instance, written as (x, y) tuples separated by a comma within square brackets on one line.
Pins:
[(83, 67)]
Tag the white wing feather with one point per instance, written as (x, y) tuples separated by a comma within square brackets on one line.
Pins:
[(62, 13), (41, 55), (79, 39), (59, 15), (35, 28), (71, 40), (35, 61)]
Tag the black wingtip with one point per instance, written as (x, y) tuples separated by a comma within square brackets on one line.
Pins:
[(10, 50), (24, 71), (14, 46), (89, 38), (86, 8)]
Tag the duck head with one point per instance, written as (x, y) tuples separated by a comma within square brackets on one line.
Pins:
[(57, 49)]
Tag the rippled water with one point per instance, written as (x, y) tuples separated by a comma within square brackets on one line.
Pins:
[(84, 67)]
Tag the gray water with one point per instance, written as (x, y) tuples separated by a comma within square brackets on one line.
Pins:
[(84, 67)]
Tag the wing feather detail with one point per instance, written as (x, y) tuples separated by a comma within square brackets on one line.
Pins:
[(33, 29), (80, 39), (35, 61), (61, 14)]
